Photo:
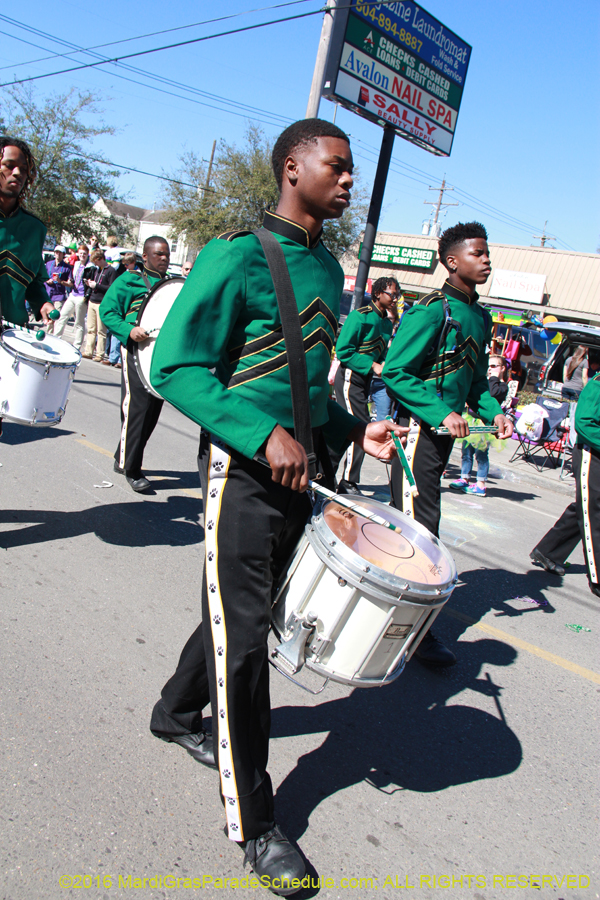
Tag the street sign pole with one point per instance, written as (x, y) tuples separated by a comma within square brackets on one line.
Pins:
[(316, 88), (385, 156)]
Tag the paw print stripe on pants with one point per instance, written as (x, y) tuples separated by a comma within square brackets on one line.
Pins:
[(217, 477)]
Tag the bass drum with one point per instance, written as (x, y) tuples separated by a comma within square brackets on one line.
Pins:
[(151, 317), (357, 598)]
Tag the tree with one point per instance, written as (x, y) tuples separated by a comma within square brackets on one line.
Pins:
[(242, 186), (68, 182)]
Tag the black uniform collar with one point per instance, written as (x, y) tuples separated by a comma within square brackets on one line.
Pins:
[(153, 272), (457, 294), (380, 312), (10, 214), (288, 229)]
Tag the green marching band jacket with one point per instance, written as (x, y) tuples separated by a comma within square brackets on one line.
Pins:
[(364, 338), (412, 361), (22, 270), (587, 415), (226, 318), (121, 304)]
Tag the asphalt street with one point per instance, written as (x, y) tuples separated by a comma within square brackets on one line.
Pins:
[(469, 782)]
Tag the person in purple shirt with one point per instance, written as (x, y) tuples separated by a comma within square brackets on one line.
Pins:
[(76, 303), (59, 279)]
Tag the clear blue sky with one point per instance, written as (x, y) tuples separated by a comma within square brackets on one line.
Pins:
[(527, 136)]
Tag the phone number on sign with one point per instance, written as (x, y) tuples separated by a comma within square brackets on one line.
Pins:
[(388, 25)]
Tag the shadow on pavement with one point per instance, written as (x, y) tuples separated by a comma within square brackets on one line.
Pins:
[(402, 737), (173, 480), (14, 434), (125, 524), (491, 590)]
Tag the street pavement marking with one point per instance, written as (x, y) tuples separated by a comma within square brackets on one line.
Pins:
[(190, 491), (524, 645), (539, 512)]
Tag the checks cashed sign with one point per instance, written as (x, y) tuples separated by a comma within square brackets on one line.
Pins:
[(395, 63)]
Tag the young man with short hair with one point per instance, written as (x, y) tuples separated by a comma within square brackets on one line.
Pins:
[(361, 348), (436, 364), (76, 301), (22, 270), (221, 359), (99, 283)]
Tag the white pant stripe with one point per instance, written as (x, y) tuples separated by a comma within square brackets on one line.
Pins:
[(411, 446), (584, 477), (217, 478), (126, 404)]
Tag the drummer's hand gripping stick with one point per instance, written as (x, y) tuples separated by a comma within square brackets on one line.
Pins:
[(473, 429), (412, 484)]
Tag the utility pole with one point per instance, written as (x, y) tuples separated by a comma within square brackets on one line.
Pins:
[(210, 165), (543, 237), (438, 204), (314, 99)]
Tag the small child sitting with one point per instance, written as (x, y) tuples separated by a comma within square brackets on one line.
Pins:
[(497, 376)]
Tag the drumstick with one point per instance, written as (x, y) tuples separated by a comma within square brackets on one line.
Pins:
[(342, 500), (473, 429), (412, 485), (40, 335)]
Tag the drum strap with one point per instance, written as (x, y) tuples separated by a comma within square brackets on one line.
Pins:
[(294, 344), (146, 280)]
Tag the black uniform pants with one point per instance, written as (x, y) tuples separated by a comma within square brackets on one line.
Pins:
[(558, 543), (252, 526), (139, 414), (427, 454), (586, 466), (352, 393)]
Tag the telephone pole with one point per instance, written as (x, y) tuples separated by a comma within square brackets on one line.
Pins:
[(543, 237), (438, 204), (314, 99)]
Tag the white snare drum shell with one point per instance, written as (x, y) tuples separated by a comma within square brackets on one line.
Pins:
[(35, 377), (369, 620)]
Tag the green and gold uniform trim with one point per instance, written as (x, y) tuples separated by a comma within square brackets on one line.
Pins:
[(275, 337), (364, 338), (413, 362), (220, 355), (22, 271), (121, 304)]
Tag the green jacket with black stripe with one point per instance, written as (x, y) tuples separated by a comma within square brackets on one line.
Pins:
[(22, 270), (121, 304), (226, 319), (412, 361), (364, 338), (587, 415)]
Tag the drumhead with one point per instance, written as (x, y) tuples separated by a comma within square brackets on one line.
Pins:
[(25, 345), (151, 317), (414, 557)]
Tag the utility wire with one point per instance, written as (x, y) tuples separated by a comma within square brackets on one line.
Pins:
[(208, 37), (138, 37)]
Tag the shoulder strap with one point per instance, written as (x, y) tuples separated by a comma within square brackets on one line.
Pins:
[(294, 344), (146, 280)]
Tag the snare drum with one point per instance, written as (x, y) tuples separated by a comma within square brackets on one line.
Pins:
[(35, 377), (151, 317), (357, 598)]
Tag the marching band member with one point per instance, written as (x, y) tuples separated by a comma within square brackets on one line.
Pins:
[(361, 348), (220, 358), (22, 235), (436, 363), (140, 409)]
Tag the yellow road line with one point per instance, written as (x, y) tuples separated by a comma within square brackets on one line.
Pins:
[(95, 447), (524, 645), (191, 491)]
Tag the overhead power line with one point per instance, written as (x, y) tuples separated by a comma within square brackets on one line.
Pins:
[(207, 37), (138, 37)]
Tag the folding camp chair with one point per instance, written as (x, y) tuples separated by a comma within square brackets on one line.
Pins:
[(550, 446)]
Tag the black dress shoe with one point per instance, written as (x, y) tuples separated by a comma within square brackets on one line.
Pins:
[(348, 487), (200, 746), (433, 652), (275, 862), (138, 483), (595, 589), (540, 560), (117, 468)]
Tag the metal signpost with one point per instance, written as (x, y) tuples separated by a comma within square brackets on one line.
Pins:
[(398, 66)]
